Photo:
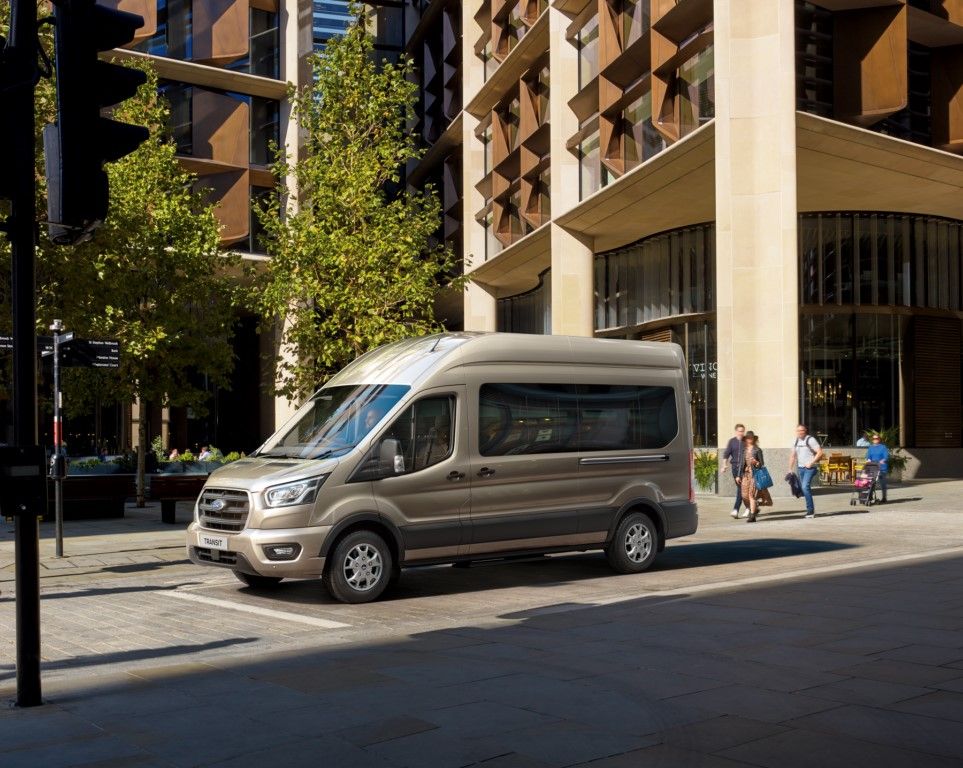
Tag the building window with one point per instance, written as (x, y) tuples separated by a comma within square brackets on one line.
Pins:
[(880, 259), (642, 140), (661, 276), (814, 59), (265, 130), (529, 312), (180, 99), (587, 42), (173, 37), (696, 91)]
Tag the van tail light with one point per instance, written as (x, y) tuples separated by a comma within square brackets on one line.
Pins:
[(691, 476)]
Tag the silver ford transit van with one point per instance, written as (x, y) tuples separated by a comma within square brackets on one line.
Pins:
[(459, 447)]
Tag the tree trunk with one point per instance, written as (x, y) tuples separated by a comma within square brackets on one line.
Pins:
[(141, 453)]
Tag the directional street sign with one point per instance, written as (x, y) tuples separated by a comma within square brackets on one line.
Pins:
[(76, 353), (91, 353)]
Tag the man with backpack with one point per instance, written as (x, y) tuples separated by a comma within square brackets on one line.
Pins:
[(804, 458)]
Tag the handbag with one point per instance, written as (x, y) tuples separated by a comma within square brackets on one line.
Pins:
[(761, 477)]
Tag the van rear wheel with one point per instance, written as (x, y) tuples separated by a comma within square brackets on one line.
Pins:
[(635, 544), (257, 582), (360, 568)]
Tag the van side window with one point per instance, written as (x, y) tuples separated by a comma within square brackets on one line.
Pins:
[(617, 417), (425, 432), (527, 418), (559, 418)]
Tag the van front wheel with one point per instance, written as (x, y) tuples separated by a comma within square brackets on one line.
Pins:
[(360, 568), (635, 544)]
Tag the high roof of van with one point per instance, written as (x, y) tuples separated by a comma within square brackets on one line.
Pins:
[(412, 360)]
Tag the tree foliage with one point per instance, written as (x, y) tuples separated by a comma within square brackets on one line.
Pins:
[(353, 265)]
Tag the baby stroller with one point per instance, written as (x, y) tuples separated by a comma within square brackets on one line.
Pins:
[(865, 485)]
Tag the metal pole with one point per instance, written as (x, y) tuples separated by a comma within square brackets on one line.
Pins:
[(22, 54), (57, 326)]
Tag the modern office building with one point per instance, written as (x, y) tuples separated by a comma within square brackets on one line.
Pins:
[(773, 184)]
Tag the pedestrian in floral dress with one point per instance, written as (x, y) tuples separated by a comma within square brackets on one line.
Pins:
[(752, 460)]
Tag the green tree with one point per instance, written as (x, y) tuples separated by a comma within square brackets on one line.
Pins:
[(353, 265), (152, 277)]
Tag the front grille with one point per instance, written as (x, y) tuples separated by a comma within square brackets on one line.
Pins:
[(220, 509), (215, 556)]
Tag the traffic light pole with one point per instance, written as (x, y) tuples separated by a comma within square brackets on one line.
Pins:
[(22, 56)]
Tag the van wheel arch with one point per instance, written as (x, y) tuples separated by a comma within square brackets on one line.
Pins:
[(648, 509), (369, 523)]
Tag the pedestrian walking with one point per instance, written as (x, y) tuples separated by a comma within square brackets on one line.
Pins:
[(733, 454), (752, 460), (879, 453), (805, 456)]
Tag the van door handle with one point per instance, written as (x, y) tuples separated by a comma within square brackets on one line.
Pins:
[(456, 475), (486, 472)]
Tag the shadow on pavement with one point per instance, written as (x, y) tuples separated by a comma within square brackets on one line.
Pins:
[(139, 654), (553, 571), (755, 675), (96, 591)]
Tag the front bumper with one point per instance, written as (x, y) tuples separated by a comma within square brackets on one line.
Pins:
[(244, 551)]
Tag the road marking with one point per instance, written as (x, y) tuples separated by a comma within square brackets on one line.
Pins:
[(265, 612)]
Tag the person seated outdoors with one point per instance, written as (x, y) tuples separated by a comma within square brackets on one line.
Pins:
[(174, 455), (204, 454), (863, 441)]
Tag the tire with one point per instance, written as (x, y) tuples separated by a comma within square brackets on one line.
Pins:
[(360, 568), (635, 544), (257, 582)]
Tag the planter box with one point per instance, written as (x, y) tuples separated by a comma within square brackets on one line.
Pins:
[(92, 496)]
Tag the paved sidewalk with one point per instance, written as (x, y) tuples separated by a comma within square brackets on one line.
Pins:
[(834, 642)]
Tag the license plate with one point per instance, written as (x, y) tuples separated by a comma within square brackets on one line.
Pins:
[(213, 542)]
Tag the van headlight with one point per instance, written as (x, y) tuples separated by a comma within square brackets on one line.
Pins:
[(298, 492)]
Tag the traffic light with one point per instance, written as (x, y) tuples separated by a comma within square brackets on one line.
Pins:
[(81, 141)]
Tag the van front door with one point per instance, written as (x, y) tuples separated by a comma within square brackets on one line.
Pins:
[(524, 466), (427, 496)]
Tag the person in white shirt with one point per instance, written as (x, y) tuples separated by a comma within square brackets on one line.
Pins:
[(805, 456)]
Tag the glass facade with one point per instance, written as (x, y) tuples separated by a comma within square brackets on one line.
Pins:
[(173, 37), (529, 312), (864, 278), (880, 259), (664, 275)]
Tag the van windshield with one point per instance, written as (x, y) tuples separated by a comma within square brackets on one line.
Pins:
[(334, 421)]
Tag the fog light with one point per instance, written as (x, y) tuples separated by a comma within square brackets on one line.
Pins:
[(282, 551)]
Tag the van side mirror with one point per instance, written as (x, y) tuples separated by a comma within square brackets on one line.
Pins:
[(390, 458)]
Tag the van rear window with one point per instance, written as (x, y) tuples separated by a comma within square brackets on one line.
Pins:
[(563, 418)]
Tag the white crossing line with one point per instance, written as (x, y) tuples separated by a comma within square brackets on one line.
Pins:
[(266, 612)]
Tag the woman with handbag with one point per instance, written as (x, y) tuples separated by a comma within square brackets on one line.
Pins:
[(752, 461)]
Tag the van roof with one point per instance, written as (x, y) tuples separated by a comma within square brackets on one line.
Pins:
[(409, 361)]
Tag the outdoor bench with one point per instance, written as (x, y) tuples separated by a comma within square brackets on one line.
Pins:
[(169, 489)]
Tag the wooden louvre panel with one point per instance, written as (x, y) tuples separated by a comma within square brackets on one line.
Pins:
[(947, 104), (665, 107), (146, 9), (870, 64), (951, 10), (221, 128), (221, 31), (936, 358), (231, 194), (663, 334)]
